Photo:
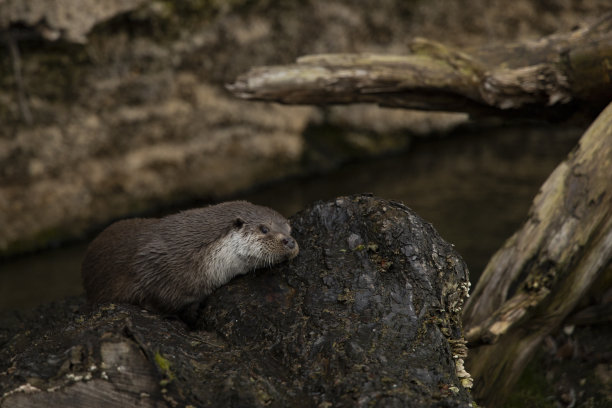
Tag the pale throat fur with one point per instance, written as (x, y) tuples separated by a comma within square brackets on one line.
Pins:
[(227, 258), (239, 252)]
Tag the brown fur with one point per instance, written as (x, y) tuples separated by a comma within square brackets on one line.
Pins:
[(169, 263)]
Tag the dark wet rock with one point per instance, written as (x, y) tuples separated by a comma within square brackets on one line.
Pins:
[(373, 321)]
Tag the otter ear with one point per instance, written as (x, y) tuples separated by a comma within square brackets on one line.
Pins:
[(238, 223)]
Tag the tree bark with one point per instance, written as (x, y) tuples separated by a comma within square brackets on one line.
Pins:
[(540, 78), (541, 273)]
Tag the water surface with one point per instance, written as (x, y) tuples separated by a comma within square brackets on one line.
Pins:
[(475, 187)]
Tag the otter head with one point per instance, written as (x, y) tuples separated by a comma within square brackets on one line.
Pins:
[(268, 234)]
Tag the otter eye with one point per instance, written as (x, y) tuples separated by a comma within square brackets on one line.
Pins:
[(264, 229), (238, 223)]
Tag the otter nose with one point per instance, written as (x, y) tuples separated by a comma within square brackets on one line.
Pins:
[(289, 242)]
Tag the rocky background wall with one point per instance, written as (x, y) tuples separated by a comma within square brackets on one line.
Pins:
[(117, 107)]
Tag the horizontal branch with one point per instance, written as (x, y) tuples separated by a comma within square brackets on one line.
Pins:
[(557, 71)]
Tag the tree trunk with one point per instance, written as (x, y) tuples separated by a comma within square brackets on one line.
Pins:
[(541, 273), (542, 78)]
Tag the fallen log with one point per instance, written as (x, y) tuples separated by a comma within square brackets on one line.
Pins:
[(541, 273), (553, 76), (368, 314)]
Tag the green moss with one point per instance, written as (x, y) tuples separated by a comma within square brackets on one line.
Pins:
[(532, 389), (164, 366)]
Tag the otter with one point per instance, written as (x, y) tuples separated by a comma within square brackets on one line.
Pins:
[(168, 264)]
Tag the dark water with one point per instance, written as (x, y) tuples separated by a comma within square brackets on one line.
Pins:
[(475, 187)]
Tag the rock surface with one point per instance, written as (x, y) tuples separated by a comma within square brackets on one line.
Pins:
[(367, 315), (70, 20)]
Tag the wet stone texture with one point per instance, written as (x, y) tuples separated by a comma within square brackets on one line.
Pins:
[(367, 315)]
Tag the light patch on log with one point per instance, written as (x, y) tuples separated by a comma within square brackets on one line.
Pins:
[(513, 88)]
